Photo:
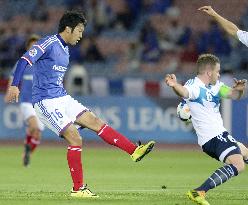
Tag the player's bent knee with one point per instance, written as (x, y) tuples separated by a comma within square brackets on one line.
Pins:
[(72, 136), (242, 167)]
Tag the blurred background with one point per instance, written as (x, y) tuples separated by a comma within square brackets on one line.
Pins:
[(118, 67)]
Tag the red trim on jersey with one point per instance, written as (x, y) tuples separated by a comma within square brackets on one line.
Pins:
[(29, 62)]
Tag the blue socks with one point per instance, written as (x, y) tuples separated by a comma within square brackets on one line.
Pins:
[(219, 177)]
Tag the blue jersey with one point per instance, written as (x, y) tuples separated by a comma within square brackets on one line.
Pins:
[(49, 58), (26, 84)]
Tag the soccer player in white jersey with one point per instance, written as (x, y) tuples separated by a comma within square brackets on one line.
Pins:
[(34, 125), (203, 94), (228, 26), (62, 114)]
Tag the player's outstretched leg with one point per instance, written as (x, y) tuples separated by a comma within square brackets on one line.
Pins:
[(111, 136), (219, 177)]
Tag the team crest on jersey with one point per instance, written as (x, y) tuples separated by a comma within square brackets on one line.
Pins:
[(32, 52)]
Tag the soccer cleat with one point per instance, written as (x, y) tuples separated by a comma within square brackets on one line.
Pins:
[(141, 151), (26, 156), (198, 197), (83, 192)]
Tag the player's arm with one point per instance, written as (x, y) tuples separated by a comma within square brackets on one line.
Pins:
[(9, 84), (30, 57), (7, 91), (236, 92), (170, 80), (13, 90), (228, 26), (238, 88)]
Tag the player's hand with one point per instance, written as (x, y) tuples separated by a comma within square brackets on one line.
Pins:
[(170, 80), (208, 10), (239, 85), (12, 94)]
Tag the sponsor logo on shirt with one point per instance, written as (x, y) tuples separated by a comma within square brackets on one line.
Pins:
[(32, 52), (59, 68)]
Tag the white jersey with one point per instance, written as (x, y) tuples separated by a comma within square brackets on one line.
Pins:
[(243, 36), (204, 103)]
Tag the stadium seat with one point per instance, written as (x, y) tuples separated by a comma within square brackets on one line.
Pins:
[(77, 81)]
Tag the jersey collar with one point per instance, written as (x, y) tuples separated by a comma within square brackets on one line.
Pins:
[(61, 40), (201, 83)]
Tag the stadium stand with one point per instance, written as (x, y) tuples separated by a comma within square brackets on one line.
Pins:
[(128, 39)]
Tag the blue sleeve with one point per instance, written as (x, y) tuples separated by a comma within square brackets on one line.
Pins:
[(33, 54), (13, 70), (21, 65), (38, 50)]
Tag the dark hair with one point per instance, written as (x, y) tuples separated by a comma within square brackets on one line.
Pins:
[(71, 19), (206, 59), (31, 38)]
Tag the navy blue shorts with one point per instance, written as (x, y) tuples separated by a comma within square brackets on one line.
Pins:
[(221, 146)]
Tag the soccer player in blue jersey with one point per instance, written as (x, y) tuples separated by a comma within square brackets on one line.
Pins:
[(34, 125), (49, 58)]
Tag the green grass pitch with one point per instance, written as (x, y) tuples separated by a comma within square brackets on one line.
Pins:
[(112, 175)]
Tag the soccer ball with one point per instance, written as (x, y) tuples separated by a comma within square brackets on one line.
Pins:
[(183, 112)]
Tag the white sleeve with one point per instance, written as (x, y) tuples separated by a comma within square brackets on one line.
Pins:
[(220, 83), (243, 36), (193, 89)]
